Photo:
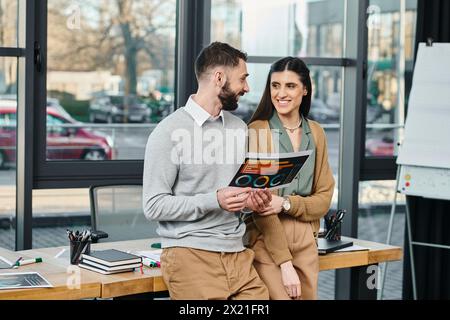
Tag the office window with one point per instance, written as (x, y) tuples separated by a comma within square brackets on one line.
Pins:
[(386, 75), (375, 203), (110, 76), (8, 108), (56, 210), (8, 23), (280, 28)]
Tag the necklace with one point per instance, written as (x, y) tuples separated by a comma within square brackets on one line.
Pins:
[(294, 128)]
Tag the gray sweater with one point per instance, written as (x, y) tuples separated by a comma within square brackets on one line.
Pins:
[(185, 164)]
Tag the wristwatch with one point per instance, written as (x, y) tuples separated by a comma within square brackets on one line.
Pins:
[(286, 204)]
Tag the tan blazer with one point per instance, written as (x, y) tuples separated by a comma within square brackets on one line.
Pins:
[(308, 209)]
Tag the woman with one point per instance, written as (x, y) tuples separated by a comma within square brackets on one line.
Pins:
[(283, 236)]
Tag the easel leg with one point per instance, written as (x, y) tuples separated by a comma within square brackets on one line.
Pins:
[(389, 235), (411, 253)]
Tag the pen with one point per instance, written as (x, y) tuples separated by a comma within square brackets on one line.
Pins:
[(157, 263), (86, 236), (29, 261), (149, 262), (16, 264)]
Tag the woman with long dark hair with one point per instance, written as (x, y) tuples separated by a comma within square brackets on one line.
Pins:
[(283, 235)]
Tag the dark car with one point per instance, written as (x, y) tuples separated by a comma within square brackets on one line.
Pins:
[(322, 113), (63, 143), (118, 108)]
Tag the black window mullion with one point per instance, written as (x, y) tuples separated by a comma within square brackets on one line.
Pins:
[(12, 52)]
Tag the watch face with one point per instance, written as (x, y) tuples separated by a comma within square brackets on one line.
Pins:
[(286, 205)]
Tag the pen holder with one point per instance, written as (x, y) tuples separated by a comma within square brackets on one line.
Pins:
[(335, 232), (77, 248), (333, 223)]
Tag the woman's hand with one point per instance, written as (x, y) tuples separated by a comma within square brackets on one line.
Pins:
[(259, 200), (290, 280), (274, 207)]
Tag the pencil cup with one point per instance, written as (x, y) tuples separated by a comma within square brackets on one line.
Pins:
[(77, 248)]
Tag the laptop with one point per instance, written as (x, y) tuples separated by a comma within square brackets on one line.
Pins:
[(327, 246)]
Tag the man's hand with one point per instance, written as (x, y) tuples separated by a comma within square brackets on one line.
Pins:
[(233, 199), (259, 200), (290, 280), (274, 207)]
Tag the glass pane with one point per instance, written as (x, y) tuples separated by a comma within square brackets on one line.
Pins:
[(386, 74), (8, 107), (8, 23), (375, 203), (56, 210), (280, 28), (111, 63)]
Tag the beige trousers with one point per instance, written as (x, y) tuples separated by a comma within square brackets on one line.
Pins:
[(303, 248), (199, 275)]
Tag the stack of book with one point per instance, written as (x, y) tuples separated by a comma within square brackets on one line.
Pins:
[(110, 261)]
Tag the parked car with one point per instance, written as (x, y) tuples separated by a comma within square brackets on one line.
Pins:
[(380, 146), (118, 108), (322, 113), (159, 108), (54, 103), (63, 143)]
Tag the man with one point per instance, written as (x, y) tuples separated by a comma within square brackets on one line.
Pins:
[(190, 159)]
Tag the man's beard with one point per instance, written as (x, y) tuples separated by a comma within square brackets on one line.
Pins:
[(228, 98)]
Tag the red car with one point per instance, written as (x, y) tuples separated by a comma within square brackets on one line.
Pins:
[(62, 143), (380, 147)]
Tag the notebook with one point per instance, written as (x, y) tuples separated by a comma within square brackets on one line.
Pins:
[(327, 246), (116, 268), (88, 267), (112, 257)]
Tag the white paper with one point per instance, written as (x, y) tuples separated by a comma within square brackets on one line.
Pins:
[(5, 263), (427, 128), (152, 254)]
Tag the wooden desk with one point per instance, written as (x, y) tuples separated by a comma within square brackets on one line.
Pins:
[(124, 284), (57, 274), (377, 253)]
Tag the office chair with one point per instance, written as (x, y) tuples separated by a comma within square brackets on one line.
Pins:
[(117, 214)]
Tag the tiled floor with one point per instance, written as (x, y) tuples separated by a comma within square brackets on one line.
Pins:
[(371, 227)]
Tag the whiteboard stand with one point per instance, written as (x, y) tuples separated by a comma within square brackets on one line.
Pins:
[(384, 266), (424, 160), (423, 178), (389, 237)]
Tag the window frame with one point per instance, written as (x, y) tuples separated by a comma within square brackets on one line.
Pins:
[(82, 174)]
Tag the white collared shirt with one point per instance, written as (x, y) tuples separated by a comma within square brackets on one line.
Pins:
[(199, 114)]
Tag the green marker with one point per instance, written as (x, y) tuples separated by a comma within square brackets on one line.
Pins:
[(29, 261)]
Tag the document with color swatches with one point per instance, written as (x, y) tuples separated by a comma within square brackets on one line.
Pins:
[(271, 171)]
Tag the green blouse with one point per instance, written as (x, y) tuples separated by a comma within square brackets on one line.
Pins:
[(302, 184)]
